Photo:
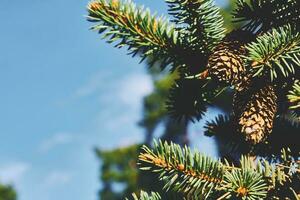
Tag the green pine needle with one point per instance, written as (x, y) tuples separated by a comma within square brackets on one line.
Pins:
[(193, 174), (200, 177), (262, 15), (294, 96), (145, 196), (219, 125), (187, 99), (202, 21), (125, 24), (245, 182), (276, 53)]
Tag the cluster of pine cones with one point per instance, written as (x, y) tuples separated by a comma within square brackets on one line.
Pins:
[(255, 100)]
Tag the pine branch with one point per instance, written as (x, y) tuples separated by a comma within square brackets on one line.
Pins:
[(276, 53), (202, 21), (262, 15), (294, 96), (189, 97), (153, 38), (281, 176), (245, 182), (292, 118), (182, 170), (145, 196), (185, 101), (219, 125), (284, 135), (199, 176)]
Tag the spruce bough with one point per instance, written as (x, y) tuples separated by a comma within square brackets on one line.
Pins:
[(259, 63)]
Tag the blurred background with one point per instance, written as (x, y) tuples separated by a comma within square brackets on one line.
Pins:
[(74, 110)]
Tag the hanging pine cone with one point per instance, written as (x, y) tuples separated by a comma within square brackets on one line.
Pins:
[(255, 116), (226, 64), (242, 94)]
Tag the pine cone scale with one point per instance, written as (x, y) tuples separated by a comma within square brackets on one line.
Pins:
[(226, 65), (255, 119)]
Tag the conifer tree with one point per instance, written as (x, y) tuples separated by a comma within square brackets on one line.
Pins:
[(7, 192), (259, 62)]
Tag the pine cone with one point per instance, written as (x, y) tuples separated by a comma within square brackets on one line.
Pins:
[(255, 116), (226, 64), (243, 91), (226, 67)]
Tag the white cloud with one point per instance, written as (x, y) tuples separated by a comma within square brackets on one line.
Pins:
[(133, 88), (58, 178), (133, 139), (94, 84), (120, 101), (129, 89), (123, 106), (57, 139), (12, 173)]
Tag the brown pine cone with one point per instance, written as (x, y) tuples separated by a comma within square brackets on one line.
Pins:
[(255, 116), (226, 64)]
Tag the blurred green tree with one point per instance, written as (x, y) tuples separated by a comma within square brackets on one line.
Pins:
[(119, 170), (7, 192)]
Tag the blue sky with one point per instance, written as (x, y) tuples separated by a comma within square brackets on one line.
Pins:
[(63, 92)]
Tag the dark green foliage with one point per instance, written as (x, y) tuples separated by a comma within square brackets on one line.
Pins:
[(262, 15), (218, 125), (276, 53), (119, 166), (226, 12), (7, 193), (200, 21), (187, 100), (284, 135), (292, 118)]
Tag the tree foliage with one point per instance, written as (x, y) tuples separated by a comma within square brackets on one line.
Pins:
[(119, 167), (134, 27), (276, 53), (7, 193), (262, 15), (201, 177), (258, 63), (200, 21)]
